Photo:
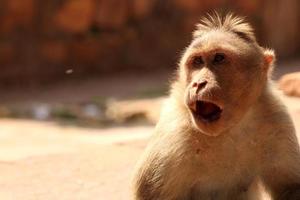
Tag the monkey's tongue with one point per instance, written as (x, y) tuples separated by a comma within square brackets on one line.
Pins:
[(208, 111)]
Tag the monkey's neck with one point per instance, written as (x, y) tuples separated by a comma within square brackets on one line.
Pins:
[(263, 110)]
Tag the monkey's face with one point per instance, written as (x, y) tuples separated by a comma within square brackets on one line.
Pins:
[(223, 75)]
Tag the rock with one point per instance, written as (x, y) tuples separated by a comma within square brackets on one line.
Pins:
[(112, 14), (290, 84), (76, 16)]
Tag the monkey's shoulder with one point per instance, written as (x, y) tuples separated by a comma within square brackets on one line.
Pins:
[(272, 114)]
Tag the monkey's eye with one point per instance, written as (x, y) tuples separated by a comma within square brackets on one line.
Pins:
[(219, 58), (197, 61)]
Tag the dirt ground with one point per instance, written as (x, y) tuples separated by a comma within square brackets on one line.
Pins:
[(40, 160)]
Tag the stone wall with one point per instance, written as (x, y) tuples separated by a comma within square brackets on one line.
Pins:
[(41, 39)]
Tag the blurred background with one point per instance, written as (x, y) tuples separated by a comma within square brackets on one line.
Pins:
[(41, 40), (81, 78)]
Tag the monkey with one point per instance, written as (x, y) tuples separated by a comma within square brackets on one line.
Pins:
[(222, 129)]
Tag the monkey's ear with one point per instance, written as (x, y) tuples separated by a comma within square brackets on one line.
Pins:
[(269, 56), (269, 59)]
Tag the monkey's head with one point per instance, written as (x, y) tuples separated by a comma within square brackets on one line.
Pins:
[(223, 72)]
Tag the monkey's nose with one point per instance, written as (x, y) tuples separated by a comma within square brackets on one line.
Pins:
[(199, 85)]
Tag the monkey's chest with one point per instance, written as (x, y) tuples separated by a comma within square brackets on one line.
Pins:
[(218, 166)]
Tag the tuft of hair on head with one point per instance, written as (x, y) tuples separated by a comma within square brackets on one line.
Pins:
[(229, 23)]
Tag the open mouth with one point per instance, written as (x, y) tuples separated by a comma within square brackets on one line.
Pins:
[(207, 111)]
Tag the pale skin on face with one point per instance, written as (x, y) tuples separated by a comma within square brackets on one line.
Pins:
[(223, 133)]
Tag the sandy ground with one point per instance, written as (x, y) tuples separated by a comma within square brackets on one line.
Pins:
[(40, 160)]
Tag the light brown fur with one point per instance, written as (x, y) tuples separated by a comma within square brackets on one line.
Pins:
[(252, 144)]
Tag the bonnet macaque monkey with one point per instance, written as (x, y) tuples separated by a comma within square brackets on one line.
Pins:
[(222, 129)]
